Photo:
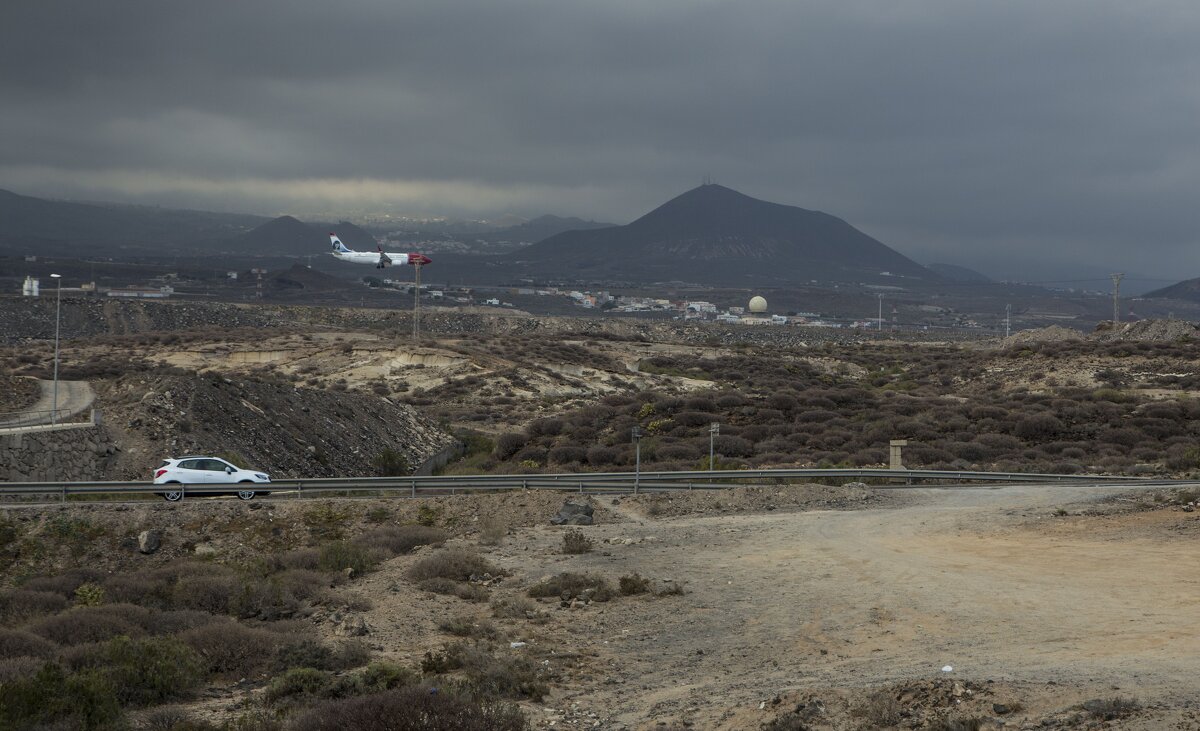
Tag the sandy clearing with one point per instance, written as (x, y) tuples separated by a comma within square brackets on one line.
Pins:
[(781, 602)]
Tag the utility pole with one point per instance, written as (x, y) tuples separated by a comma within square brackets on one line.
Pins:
[(1116, 280), (880, 313), (1007, 319), (637, 447), (417, 306), (713, 430), (57, 318)]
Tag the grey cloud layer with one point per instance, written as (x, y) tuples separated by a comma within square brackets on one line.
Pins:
[(1059, 131)]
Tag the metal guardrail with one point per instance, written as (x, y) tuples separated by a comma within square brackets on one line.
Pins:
[(580, 482)]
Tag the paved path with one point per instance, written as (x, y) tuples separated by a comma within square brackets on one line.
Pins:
[(73, 398)]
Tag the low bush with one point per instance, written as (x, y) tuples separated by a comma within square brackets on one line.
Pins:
[(309, 653), (143, 671), (206, 593), (181, 620), (1113, 708), (19, 667), (514, 608), (67, 582), (83, 624), (52, 698), (467, 626), (401, 539), (573, 586), (21, 605), (231, 648), (390, 463), (19, 643), (632, 584), (342, 555), (450, 587), (491, 531), (575, 541), (453, 564), (299, 681), (487, 674), (413, 709)]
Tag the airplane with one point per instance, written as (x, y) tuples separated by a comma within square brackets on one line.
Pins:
[(380, 260)]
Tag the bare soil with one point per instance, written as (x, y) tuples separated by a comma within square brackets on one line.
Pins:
[(826, 607)]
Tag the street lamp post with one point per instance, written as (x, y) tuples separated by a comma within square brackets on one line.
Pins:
[(637, 448), (713, 430), (57, 318)]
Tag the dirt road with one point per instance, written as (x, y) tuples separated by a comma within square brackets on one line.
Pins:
[(779, 604), (73, 397)]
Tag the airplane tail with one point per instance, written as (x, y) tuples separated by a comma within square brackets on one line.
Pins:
[(338, 246)]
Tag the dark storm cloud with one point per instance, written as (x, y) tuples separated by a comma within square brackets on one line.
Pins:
[(991, 134)]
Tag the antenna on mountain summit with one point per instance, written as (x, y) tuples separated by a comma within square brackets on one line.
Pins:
[(707, 180)]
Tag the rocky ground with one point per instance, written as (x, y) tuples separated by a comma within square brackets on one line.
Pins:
[(17, 393), (770, 607)]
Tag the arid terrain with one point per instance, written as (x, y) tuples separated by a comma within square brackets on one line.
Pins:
[(835, 606), (782, 607)]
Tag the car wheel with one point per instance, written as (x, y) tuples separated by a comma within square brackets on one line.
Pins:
[(172, 496), (246, 494)]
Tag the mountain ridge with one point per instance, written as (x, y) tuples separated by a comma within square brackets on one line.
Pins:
[(717, 235)]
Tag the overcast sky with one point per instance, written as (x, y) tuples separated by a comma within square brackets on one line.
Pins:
[(1023, 137)]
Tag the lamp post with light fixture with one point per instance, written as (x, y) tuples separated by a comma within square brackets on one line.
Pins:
[(637, 448), (57, 318)]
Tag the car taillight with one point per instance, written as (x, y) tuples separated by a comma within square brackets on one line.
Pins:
[(159, 473)]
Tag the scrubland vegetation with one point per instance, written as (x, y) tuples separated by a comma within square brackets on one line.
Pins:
[(87, 648), (958, 408)]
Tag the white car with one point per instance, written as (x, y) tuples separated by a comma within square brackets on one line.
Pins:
[(206, 471)]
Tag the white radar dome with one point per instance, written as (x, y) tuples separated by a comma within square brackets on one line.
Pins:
[(758, 305)]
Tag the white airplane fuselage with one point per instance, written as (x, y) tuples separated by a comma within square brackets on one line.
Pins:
[(373, 258), (378, 259)]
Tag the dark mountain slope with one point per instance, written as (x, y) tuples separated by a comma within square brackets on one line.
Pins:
[(715, 235), (61, 227), (960, 274), (1189, 290), (287, 235)]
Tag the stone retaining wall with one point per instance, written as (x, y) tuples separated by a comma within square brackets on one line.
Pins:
[(69, 453)]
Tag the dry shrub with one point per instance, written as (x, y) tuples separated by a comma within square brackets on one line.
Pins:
[(450, 587), (19, 667), (575, 541), (490, 675), (342, 555), (231, 648), (881, 709), (491, 531), (21, 605), (515, 608), (413, 709), (84, 624), (138, 589), (574, 586), (960, 724), (172, 718), (304, 584), (1111, 708), (143, 671), (632, 584), (207, 593), (303, 558), (65, 583), (401, 539), (19, 643), (454, 564), (180, 620), (467, 626), (310, 653)]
